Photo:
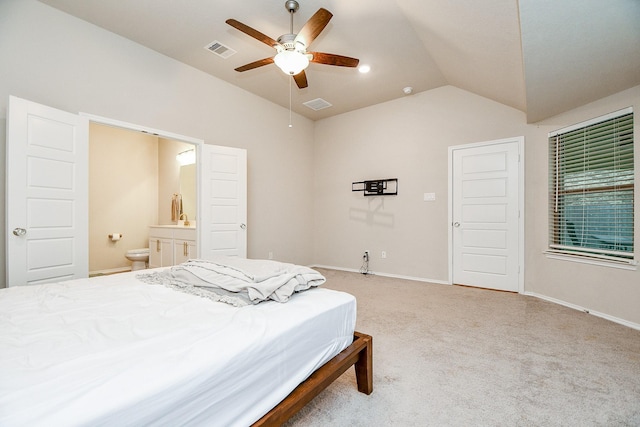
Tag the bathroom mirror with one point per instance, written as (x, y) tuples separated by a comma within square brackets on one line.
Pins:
[(188, 190)]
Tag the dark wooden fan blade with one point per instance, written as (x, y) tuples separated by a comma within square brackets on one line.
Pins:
[(255, 64), (331, 59), (301, 79), (251, 32), (314, 26)]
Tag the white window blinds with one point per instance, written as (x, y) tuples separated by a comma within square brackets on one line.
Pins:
[(591, 188)]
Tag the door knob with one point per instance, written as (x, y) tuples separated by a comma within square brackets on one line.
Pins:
[(19, 231), (243, 226), (456, 224)]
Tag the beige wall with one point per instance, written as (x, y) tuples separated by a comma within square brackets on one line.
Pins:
[(132, 177), (123, 194), (169, 178), (408, 139)]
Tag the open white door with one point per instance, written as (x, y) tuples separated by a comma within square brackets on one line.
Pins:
[(47, 194), (223, 202), (485, 219)]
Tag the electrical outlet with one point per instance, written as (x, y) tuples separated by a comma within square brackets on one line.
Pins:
[(366, 256), (270, 255), (383, 254)]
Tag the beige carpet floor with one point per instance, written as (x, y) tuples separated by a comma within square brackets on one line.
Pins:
[(460, 356)]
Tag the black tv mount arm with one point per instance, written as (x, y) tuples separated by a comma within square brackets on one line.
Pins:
[(377, 187)]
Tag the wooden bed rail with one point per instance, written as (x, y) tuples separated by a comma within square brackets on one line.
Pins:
[(359, 353)]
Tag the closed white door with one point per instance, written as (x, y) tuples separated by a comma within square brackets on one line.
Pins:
[(485, 215), (47, 194), (223, 200)]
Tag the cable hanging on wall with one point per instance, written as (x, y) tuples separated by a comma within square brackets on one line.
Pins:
[(364, 269)]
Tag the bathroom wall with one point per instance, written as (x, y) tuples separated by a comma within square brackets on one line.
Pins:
[(123, 194), (169, 177)]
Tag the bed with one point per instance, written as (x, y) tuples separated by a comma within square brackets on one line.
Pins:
[(114, 350)]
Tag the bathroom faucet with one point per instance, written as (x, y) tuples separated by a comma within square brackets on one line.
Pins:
[(186, 219)]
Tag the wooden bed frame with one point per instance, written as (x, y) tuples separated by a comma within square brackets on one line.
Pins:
[(359, 353)]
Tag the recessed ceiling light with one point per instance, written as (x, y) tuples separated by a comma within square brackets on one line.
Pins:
[(364, 68)]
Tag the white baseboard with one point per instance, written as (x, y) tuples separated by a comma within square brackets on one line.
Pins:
[(585, 310), (395, 276), (532, 294), (109, 271)]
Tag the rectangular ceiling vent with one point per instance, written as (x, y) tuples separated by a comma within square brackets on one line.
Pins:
[(318, 104), (220, 49)]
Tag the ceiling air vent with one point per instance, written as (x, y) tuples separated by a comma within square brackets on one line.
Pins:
[(220, 49), (318, 104)]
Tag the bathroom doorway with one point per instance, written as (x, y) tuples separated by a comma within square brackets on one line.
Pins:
[(133, 178), (47, 203)]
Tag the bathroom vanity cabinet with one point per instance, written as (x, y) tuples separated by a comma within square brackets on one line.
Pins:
[(183, 250), (171, 245)]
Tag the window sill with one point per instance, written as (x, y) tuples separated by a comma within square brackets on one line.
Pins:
[(623, 265)]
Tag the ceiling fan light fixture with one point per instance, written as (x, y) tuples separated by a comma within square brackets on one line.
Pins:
[(291, 62)]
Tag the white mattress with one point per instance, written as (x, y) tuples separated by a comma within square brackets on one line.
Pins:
[(114, 351)]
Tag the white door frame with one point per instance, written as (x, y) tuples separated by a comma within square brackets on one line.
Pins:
[(198, 143), (521, 187)]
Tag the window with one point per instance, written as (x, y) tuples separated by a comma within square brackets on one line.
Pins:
[(591, 188)]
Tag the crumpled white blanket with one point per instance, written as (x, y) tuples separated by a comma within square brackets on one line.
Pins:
[(237, 281)]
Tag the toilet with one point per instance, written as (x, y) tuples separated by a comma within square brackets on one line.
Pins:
[(139, 257)]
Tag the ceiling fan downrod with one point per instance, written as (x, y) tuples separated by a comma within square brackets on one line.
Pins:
[(292, 6)]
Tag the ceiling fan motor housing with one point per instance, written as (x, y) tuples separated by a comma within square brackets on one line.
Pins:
[(289, 42), (291, 6)]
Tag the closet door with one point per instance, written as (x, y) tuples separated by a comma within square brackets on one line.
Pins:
[(486, 220), (47, 194), (222, 222)]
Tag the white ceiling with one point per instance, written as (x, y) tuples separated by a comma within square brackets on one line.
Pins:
[(542, 57)]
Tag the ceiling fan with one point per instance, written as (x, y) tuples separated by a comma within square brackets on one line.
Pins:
[(292, 55)]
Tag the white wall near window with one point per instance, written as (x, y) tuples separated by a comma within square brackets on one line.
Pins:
[(605, 291)]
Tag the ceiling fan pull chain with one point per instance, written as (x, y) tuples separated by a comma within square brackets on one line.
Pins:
[(290, 125)]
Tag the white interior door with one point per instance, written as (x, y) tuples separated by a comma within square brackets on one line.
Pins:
[(223, 199), (485, 215), (47, 194)]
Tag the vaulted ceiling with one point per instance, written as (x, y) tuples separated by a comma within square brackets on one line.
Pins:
[(542, 57)]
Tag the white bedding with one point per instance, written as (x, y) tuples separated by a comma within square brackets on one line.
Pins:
[(115, 351), (237, 281)]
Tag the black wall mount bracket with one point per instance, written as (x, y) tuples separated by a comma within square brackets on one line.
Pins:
[(377, 187)]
